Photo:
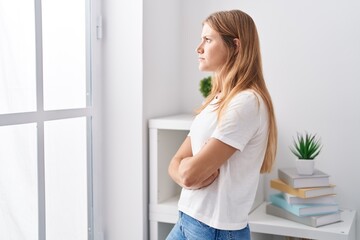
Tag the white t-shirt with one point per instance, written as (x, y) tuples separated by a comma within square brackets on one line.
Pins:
[(226, 203)]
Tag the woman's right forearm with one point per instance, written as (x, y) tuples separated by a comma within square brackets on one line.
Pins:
[(183, 152), (173, 171)]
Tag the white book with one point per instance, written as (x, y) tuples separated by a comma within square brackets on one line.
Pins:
[(326, 199), (293, 179), (303, 209)]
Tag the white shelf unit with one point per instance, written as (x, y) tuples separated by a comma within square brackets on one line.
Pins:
[(165, 136), (260, 222)]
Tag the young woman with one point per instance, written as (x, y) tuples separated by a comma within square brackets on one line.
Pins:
[(232, 139)]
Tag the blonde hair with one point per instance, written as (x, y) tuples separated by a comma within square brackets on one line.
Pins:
[(242, 70)]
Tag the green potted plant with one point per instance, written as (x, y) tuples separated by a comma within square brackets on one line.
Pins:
[(205, 86), (306, 147)]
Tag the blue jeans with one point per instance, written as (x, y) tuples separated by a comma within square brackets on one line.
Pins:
[(188, 228)]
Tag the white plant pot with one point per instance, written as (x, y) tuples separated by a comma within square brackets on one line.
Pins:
[(305, 167)]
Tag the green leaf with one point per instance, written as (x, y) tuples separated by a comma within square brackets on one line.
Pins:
[(306, 146)]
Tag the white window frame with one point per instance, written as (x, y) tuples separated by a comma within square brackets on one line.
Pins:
[(91, 111)]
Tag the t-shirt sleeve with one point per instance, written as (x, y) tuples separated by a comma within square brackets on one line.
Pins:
[(239, 122)]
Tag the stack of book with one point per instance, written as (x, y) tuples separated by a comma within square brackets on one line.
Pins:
[(307, 199)]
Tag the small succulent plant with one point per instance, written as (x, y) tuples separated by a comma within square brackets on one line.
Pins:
[(306, 146)]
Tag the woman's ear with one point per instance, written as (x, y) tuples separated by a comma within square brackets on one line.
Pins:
[(237, 44)]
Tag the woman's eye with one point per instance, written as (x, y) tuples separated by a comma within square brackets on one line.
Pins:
[(207, 40)]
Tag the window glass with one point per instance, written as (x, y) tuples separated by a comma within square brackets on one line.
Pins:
[(18, 182), (17, 56), (66, 179), (64, 54)]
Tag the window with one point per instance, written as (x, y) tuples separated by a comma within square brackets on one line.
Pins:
[(45, 120)]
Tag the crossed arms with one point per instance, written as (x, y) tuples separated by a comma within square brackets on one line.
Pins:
[(199, 170)]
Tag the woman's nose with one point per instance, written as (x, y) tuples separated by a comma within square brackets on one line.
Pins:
[(199, 49)]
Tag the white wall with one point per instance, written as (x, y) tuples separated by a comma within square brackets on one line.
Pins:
[(161, 42), (311, 58), (124, 172), (133, 93)]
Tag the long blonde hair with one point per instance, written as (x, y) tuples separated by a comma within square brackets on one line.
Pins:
[(242, 70)]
